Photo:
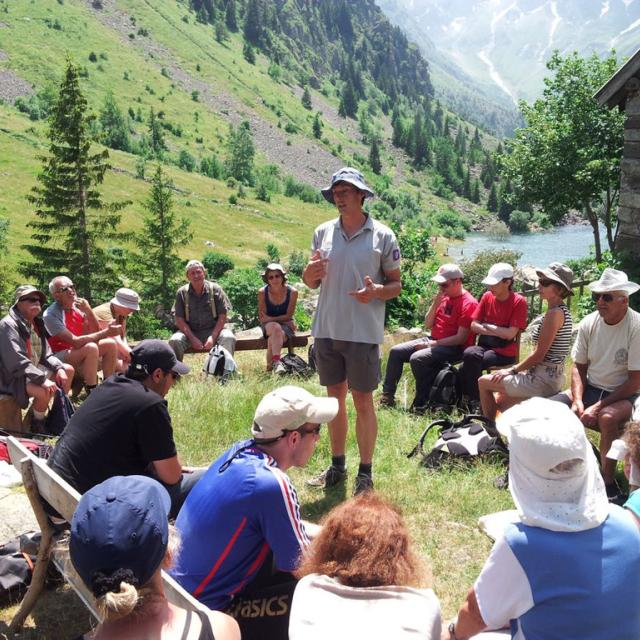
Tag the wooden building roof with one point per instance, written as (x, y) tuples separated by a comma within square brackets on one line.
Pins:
[(613, 93)]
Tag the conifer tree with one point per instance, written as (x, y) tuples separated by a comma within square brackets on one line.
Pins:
[(156, 135), (240, 153), (72, 224), (115, 128), (253, 22), (374, 157), (466, 188), (231, 16), (317, 126), (492, 200), (221, 31), (248, 53), (158, 264), (348, 101), (306, 99), (475, 191)]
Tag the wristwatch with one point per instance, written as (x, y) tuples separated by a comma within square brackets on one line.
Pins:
[(452, 631)]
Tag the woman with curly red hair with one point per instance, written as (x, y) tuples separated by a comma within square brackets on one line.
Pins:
[(360, 578)]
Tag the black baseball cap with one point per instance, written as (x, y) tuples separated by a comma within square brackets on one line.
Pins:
[(150, 355)]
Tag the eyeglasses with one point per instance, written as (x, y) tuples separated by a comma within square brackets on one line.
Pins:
[(307, 432), (31, 299), (545, 283), (69, 287), (607, 297)]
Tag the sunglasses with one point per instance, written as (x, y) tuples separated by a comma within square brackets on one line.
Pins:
[(607, 297), (275, 276), (31, 299), (307, 432), (69, 287), (545, 283)]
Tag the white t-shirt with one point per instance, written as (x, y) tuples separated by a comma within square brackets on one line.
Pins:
[(323, 608), (610, 351)]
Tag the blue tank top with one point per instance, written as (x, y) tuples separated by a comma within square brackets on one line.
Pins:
[(584, 585), (274, 310)]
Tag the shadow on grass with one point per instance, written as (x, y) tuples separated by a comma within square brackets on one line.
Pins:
[(314, 510)]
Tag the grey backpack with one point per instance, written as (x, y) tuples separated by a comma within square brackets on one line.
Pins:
[(220, 363)]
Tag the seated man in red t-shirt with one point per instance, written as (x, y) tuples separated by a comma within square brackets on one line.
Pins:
[(448, 320), (498, 318), (75, 336)]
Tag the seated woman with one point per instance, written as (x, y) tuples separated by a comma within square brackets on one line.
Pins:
[(276, 307), (542, 372), (569, 568), (359, 579), (120, 540)]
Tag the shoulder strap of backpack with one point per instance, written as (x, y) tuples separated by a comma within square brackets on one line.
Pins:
[(443, 422)]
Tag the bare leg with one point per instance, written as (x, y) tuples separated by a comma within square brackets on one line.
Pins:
[(66, 387), (109, 353), (610, 422), (275, 337), (85, 360), (339, 426), (40, 395), (505, 401), (366, 424), (487, 386)]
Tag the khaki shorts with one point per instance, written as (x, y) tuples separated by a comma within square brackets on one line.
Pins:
[(543, 380), (356, 362)]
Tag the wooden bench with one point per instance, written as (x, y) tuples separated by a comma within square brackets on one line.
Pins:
[(11, 415), (255, 344), (40, 481)]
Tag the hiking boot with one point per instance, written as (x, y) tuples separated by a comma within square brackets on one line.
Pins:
[(330, 477), (387, 400), (279, 369), (363, 483), (418, 410)]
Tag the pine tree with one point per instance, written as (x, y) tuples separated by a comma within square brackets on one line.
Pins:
[(317, 126), (306, 99), (156, 135), (374, 157), (253, 21), (475, 191), (492, 200), (115, 128), (248, 53), (158, 264), (240, 153), (466, 188), (72, 224), (230, 16), (348, 101), (220, 31)]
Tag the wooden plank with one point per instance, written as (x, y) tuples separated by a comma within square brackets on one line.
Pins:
[(613, 92), (254, 344), (178, 596), (61, 559), (10, 414)]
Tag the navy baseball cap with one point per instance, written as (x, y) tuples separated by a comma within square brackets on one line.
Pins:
[(120, 528), (150, 355)]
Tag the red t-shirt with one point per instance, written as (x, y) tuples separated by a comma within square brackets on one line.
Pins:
[(511, 312), (74, 321), (453, 313)]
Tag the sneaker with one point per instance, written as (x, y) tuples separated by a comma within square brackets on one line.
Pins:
[(330, 477), (387, 400), (363, 483), (279, 369)]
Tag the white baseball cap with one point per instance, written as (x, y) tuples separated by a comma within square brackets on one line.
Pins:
[(498, 272), (287, 409)]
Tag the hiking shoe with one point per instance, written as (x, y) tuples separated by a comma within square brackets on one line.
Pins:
[(418, 410), (330, 477), (363, 483), (387, 400), (279, 369)]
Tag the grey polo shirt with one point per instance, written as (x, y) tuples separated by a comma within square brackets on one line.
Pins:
[(372, 251)]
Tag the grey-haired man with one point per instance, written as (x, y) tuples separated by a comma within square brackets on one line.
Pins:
[(201, 309), (356, 263)]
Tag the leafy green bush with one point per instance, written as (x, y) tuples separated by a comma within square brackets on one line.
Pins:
[(297, 262), (186, 161), (217, 264), (452, 224), (304, 192), (519, 221), (302, 318), (143, 324), (212, 167), (241, 285), (476, 268)]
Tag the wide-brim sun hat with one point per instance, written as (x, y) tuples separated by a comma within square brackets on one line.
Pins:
[(273, 266), (287, 409), (613, 280), (559, 273), (126, 298), (28, 289), (554, 477), (351, 176)]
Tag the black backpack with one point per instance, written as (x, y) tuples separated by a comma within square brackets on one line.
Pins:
[(296, 366), (470, 438), (445, 390)]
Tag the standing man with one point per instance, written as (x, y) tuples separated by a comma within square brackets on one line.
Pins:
[(75, 336), (357, 261), (605, 378), (201, 310), (123, 428), (500, 316), (28, 369), (116, 311), (448, 320)]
